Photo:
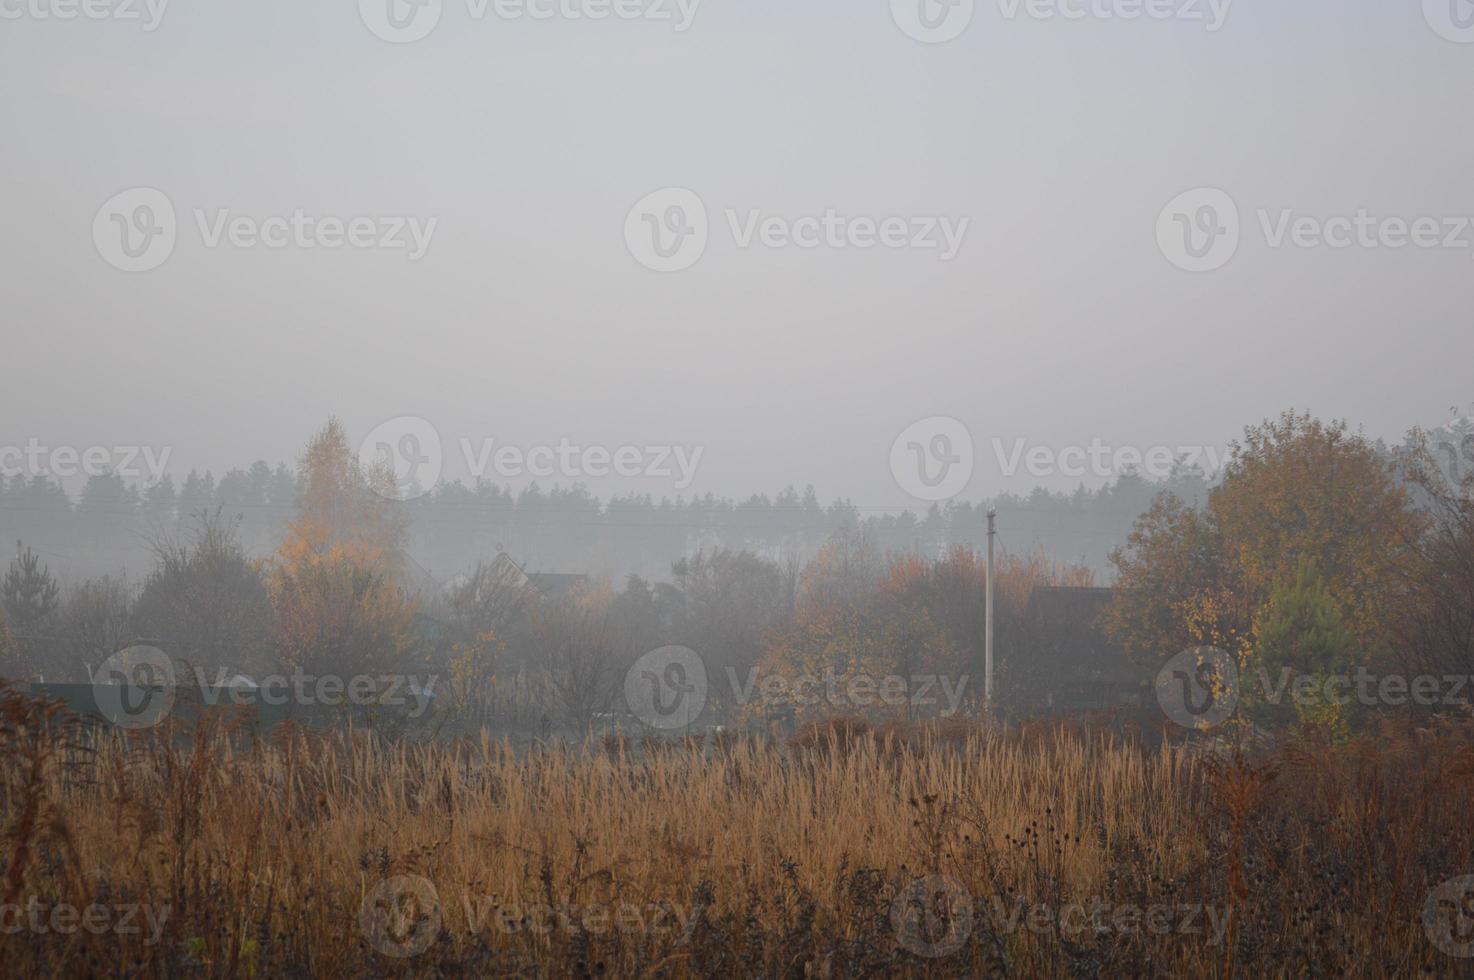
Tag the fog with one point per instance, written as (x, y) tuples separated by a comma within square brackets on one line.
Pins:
[(506, 163)]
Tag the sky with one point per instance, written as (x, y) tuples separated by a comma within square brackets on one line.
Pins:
[(662, 230)]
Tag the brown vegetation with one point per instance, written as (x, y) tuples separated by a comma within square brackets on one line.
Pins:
[(326, 854)]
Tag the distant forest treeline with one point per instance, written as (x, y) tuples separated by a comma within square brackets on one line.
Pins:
[(111, 526)]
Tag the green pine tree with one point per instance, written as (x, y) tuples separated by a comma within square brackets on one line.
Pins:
[(1301, 633), (28, 597)]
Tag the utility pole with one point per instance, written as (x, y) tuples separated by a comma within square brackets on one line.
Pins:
[(988, 616)]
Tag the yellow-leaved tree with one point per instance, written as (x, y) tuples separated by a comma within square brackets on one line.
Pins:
[(337, 604), (1296, 490), (854, 626)]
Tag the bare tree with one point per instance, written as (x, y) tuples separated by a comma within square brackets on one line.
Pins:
[(205, 602), (572, 639), (93, 623), (1437, 621)]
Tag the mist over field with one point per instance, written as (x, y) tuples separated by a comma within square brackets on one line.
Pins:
[(696, 488)]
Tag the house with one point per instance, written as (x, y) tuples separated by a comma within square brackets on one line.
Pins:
[(554, 586), (1066, 662), (505, 578)]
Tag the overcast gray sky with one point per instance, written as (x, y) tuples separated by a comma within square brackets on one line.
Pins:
[(1062, 318)]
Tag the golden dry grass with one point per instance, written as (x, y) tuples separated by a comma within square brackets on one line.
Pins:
[(332, 855)]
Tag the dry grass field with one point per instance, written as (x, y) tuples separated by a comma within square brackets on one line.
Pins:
[(912, 851)]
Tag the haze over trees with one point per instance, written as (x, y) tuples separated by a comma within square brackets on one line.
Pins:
[(1318, 552)]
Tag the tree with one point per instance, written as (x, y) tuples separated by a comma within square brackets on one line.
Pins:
[(1294, 488), (159, 501), (491, 598), (29, 596), (483, 611), (853, 620), (1301, 632), (7, 643), (727, 602), (1436, 615), (107, 515), (93, 623), (951, 591), (337, 606), (205, 603), (1298, 488), (572, 640), (847, 566), (1176, 587)]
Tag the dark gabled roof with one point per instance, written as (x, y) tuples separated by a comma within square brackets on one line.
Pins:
[(1068, 621), (1068, 600), (554, 585)]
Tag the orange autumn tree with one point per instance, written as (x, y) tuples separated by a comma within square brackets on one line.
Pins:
[(840, 630), (337, 604), (906, 616), (1296, 489), (952, 588)]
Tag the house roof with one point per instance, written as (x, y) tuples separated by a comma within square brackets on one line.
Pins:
[(555, 585), (1067, 620)]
